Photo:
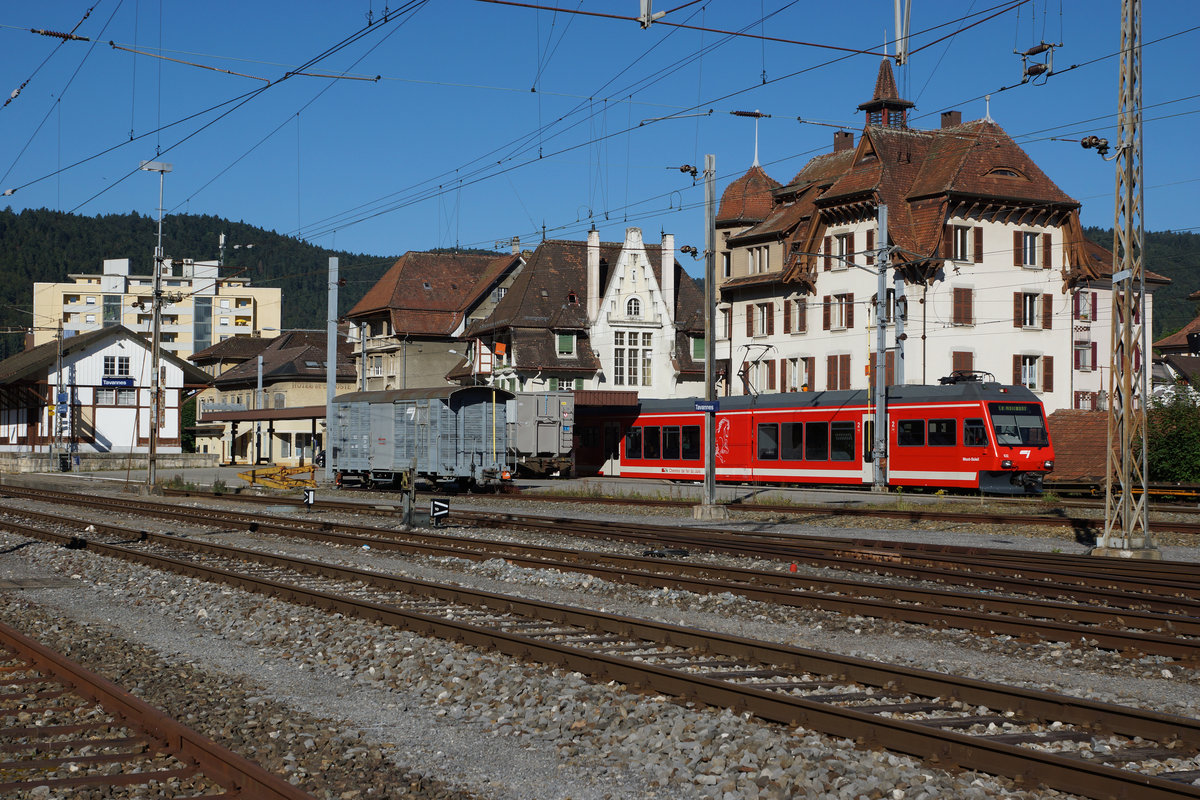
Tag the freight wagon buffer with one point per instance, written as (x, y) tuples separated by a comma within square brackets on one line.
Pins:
[(447, 435)]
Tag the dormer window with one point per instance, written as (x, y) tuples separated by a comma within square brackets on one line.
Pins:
[(1004, 172), (572, 299), (426, 285)]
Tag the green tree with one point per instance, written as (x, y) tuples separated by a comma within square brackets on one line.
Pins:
[(1173, 437), (187, 419)]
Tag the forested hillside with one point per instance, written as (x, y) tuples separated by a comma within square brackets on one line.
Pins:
[(47, 246), (1175, 256)]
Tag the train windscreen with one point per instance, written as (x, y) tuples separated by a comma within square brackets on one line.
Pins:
[(1019, 424)]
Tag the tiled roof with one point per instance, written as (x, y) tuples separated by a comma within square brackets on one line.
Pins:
[(291, 356), (885, 88), (1080, 440), (1177, 342), (923, 177), (537, 348), (30, 363), (551, 291), (747, 199), (431, 293), (235, 348), (1186, 365)]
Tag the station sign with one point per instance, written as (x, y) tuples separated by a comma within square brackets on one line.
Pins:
[(111, 381), (712, 406)]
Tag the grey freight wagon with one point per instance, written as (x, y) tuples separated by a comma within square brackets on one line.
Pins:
[(452, 435), (540, 441)]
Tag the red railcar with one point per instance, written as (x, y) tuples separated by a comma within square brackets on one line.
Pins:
[(965, 435)]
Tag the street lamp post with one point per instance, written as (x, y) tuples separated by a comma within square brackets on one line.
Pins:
[(155, 389)]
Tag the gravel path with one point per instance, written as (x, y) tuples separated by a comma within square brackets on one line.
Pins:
[(356, 707)]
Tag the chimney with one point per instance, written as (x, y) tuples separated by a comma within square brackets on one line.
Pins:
[(593, 275), (842, 140), (951, 118), (516, 245), (668, 275)]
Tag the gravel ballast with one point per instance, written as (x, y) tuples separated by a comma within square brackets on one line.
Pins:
[(350, 700)]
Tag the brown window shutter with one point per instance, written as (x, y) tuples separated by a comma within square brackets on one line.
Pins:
[(850, 247), (825, 312), (1095, 366), (947, 241), (1047, 252), (770, 312), (1093, 306), (1075, 363), (1018, 257), (844, 371), (749, 319), (801, 316), (850, 311), (1047, 373), (978, 255), (956, 307), (1016, 370), (1047, 311), (783, 376), (870, 248), (1016, 309), (831, 365), (969, 306), (787, 316), (770, 376), (1075, 303)]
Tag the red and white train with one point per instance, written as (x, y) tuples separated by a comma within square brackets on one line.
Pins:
[(965, 434)]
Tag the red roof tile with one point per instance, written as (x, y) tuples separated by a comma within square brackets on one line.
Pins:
[(747, 199), (431, 293), (1080, 440)]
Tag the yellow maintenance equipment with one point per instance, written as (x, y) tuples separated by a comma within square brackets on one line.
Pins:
[(277, 477)]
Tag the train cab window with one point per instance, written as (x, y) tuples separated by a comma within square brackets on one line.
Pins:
[(816, 441), (974, 433), (910, 432), (791, 441), (841, 441), (768, 441), (1017, 424), (691, 442), (670, 443), (943, 432), (651, 442), (633, 443)]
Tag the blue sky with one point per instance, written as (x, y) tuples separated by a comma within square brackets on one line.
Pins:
[(490, 121)]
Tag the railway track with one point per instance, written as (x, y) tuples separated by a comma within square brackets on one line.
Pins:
[(1149, 617), (68, 730), (1083, 747)]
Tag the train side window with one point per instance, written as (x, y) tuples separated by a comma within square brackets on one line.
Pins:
[(633, 443), (816, 441), (974, 433), (670, 442), (910, 432), (768, 441), (943, 432), (651, 442), (791, 441), (691, 442), (841, 441)]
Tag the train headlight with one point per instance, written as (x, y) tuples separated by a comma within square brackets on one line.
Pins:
[(1006, 464), (1049, 465)]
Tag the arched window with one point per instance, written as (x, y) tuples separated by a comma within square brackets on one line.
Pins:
[(633, 308)]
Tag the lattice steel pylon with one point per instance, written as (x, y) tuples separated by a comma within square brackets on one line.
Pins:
[(1126, 530)]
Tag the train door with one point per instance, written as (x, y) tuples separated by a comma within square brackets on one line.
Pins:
[(611, 464), (867, 448)]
